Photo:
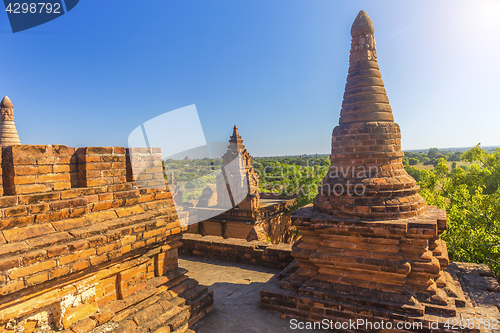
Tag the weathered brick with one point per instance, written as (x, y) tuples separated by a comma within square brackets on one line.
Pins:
[(84, 325), (52, 216), (58, 272), (61, 168), (35, 188), (78, 266), (22, 180), (9, 263), (77, 256), (16, 211), (121, 212), (107, 248), (8, 201), (103, 316), (96, 241), (13, 248), (37, 279), (39, 208), (56, 250), (11, 288), (72, 223), (25, 271), (74, 315), (69, 203), (78, 245), (16, 222), (34, 257), (17, 234), (99, 259), (48, 240), (105, 196), (32, 169)]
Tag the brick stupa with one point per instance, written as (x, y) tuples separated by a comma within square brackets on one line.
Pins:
[(239, 179), (8, 132), (370, 247)]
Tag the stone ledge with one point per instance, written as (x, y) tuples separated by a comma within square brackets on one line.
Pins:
[(257, 253)]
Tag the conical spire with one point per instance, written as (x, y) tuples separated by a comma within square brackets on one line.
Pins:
[(235, 131), (8, 132), (236, 138), (365, 97), (366, 177)]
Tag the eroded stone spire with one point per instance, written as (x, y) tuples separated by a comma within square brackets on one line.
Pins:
[(365, 98), (237, 177), (8, 132), (236, 138), (367, 178), (235, 131)]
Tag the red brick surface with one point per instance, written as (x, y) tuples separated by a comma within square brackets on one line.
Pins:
[(73, 227)]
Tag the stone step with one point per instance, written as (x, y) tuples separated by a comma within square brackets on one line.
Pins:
[(191, 294), (178, 323), (201, 307), (185, 285)]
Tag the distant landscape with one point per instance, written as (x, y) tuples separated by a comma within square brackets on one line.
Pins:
[(464, 181), (289, 175)]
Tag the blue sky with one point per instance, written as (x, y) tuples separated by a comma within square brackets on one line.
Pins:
[(276, 68)]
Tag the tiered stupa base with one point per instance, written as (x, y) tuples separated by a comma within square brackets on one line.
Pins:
[(376, 271)]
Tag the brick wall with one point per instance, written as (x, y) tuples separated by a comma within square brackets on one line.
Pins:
[(78, 240), (32, 169), (144, 167), (99, 166)]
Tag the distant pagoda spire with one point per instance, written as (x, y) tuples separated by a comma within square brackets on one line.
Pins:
[(236, 139), (365, 98), (8, 132)]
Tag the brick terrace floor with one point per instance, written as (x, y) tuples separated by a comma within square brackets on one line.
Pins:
[(236, 297), (236, 294)]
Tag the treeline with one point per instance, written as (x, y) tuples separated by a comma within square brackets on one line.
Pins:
[(190, 170), (432, 157)]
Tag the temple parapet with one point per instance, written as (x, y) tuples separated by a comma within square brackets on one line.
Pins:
[(86, 243)]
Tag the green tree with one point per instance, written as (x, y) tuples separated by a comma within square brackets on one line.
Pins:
[(413, 161), (433, 153), (455, 157), (472, 201)]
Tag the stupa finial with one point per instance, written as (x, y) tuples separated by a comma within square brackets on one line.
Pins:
[(362, 25), (6, 103), (8, 132)]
